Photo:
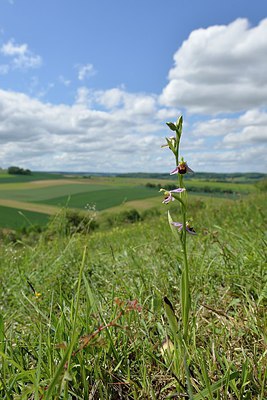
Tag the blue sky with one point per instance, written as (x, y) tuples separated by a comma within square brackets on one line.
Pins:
[(87, 85)]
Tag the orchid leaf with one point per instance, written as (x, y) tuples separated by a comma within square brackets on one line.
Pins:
[(170, 313)]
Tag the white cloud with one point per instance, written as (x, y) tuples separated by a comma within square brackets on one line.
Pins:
[(249, 127), (85, 71), (42, 135), (220, 69), (232, 144), (20, 55), (248, 132), (119, 101), (11, 49), (253, 159), (213, 127), (111, 98), (167, 114), (88, 136)]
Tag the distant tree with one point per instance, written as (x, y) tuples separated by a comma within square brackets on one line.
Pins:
[(18, 171)]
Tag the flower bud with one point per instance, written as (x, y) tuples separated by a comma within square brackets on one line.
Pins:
[(172, 126)]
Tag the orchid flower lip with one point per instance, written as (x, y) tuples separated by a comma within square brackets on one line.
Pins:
[(168, 199), (189, 229), (182, 168)]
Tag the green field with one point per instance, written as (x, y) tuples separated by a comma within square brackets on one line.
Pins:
[(104, 198), (46, 193), (16, 219), (223, 186), (36, 176)]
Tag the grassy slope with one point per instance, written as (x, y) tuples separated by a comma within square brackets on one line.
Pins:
[(228, 332)]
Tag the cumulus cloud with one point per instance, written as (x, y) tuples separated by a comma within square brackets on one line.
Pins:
[(76, 137), (220, 69), (20, 55), (85, 71), (249, 127), (253, 159), (118, 101), (95, 134), (233, 144)]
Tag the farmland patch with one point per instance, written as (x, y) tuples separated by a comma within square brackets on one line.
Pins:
[(13, 218), (38, 208), (105, 198), (47, 192)]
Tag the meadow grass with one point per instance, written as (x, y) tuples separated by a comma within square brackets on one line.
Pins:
[(82, 316)]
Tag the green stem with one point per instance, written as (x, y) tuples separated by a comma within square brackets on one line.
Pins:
[(177, 156), (185, 289)]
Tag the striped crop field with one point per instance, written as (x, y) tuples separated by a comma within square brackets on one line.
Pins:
[(103, 198), (51, 192)]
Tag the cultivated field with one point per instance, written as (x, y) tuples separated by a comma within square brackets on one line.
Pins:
[(37, 196)]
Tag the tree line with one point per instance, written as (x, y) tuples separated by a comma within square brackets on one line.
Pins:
[(18, 171)]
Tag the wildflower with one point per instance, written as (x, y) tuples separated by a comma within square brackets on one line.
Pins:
[(168, 194), (133, 305), (182, 168), (189, 228)]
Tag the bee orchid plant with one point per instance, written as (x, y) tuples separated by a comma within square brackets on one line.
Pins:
[(183, 227)]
